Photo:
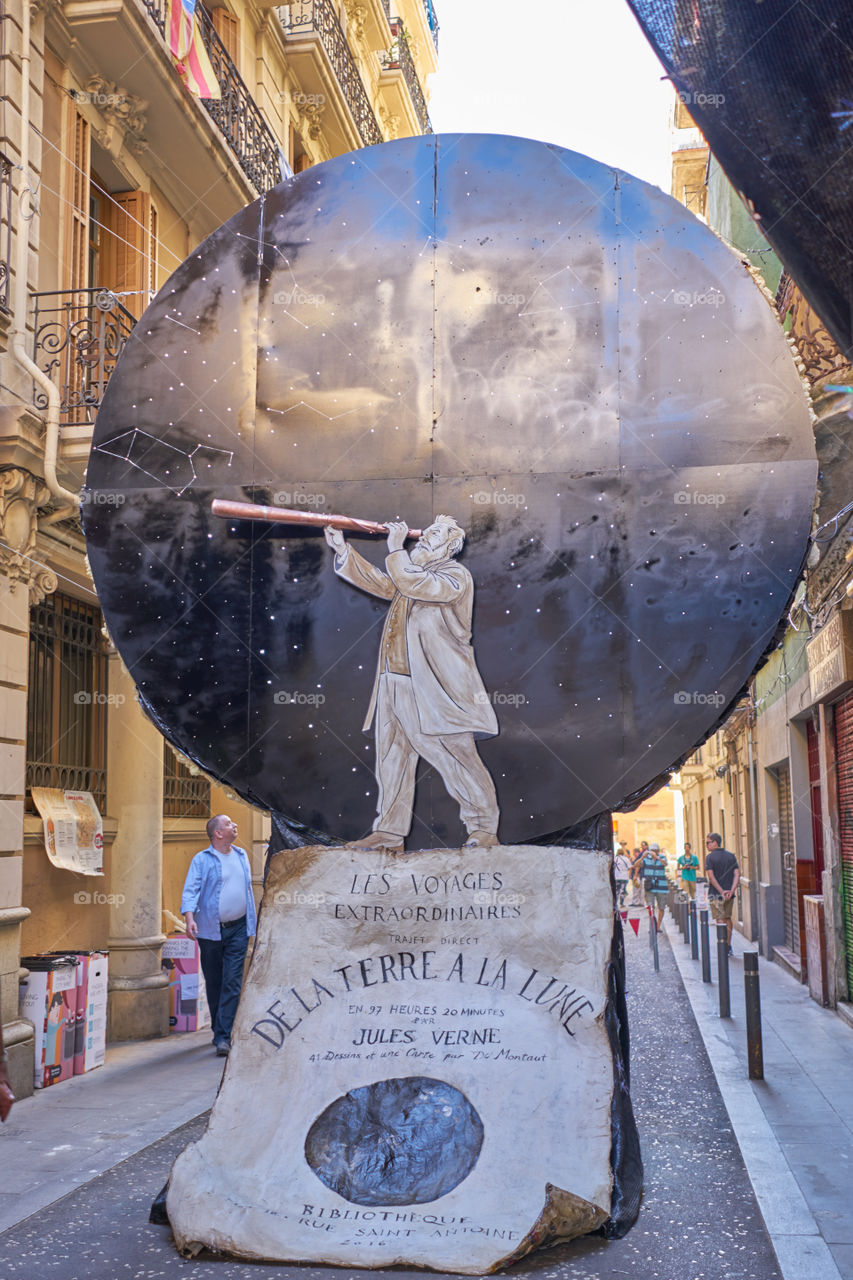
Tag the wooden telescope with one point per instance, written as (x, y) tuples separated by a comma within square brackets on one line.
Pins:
[(284, 515)]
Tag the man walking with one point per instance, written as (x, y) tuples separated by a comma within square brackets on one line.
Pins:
[(654, 880), (688, 865), (723, 872), (428, 697), (621, 872), (219, 910)]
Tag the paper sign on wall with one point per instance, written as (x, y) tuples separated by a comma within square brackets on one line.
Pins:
[(73, 830)]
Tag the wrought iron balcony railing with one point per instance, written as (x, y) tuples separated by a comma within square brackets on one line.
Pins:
[(317, 17), (236, 112), (432, 19), (403, 55), (6, 167), (77, 340)]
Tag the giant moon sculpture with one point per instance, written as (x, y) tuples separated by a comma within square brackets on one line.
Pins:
[(553, 352), (430, 1057)]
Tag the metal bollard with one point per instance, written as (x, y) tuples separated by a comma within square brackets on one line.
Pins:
[(653, 939), (752, 993), (723, 969), (706, 945), (685, 922), (694, 933)]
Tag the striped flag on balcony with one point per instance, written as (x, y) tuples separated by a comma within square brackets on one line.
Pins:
[(188, 52)]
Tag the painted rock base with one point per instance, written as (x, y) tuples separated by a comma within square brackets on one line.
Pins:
[(421, 1073)]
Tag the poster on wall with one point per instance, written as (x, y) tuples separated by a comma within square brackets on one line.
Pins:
[(73, 830)]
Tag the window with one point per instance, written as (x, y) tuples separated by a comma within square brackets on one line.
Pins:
[(67, 699), (185, 794), (128, 263), (227, 28)]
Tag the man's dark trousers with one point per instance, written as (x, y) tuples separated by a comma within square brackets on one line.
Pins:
[(222, 963)]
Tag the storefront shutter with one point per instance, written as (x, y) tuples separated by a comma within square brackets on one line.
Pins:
[(844, 761)]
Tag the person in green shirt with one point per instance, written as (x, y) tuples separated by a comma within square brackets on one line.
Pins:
[(688, 865)]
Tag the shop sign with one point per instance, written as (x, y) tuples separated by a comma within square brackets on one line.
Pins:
[(830, 658)]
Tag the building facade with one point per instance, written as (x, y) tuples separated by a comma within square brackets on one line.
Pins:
[(776, 780), (112, 171)]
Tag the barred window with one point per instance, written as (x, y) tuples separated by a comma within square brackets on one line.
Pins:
[(67, 699), (185, 794)]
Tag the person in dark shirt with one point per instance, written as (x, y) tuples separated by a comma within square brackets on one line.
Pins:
[(723, 873)]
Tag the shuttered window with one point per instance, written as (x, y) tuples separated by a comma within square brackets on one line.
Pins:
[(128, 258), (844, 762)]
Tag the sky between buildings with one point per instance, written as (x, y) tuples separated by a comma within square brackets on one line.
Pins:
[(579, 73)]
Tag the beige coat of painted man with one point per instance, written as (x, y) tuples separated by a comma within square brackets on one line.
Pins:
[(428, 698)]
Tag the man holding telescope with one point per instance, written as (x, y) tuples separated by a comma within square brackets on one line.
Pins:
[(428, 698)]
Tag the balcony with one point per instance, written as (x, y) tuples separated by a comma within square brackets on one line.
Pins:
[(320, 55), (399, 58), (77, 340), (432, 21), (236, 113)]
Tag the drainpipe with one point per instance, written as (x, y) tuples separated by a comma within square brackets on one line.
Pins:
[(754, 911), (19, 337)]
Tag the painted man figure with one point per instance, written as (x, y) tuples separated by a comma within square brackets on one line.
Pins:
[(428, 697)]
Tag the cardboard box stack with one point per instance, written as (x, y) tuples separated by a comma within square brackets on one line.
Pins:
[(65, 998), (188, 1009)]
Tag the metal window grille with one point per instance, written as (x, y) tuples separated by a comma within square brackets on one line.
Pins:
[(185, 795), (67, 699)]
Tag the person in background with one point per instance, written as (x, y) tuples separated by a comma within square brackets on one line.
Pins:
[(219, 910), (654, 880), (7, 1097), (723, 872), (621, 872), (688, 865), (637, 878)]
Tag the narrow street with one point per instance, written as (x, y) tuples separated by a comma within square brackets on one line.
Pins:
[(77, 1205)]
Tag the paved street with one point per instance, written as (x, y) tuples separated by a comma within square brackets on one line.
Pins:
[(105, 1143)]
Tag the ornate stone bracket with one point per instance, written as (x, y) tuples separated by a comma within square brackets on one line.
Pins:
[(390, 123), (356, 15), (124, 113), (311, 114), (21, 495)]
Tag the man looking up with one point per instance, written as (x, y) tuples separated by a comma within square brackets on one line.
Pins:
[(219, 910), (428, 698)]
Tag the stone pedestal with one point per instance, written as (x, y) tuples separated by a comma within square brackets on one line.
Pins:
[(138, 988), (421, 1071)]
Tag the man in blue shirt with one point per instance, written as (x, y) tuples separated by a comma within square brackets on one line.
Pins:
[(219, 909)]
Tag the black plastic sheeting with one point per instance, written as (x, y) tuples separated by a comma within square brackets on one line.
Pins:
[(773, 94)]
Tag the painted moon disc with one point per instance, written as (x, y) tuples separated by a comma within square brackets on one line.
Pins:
[(558, 355), (408, 1140)]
